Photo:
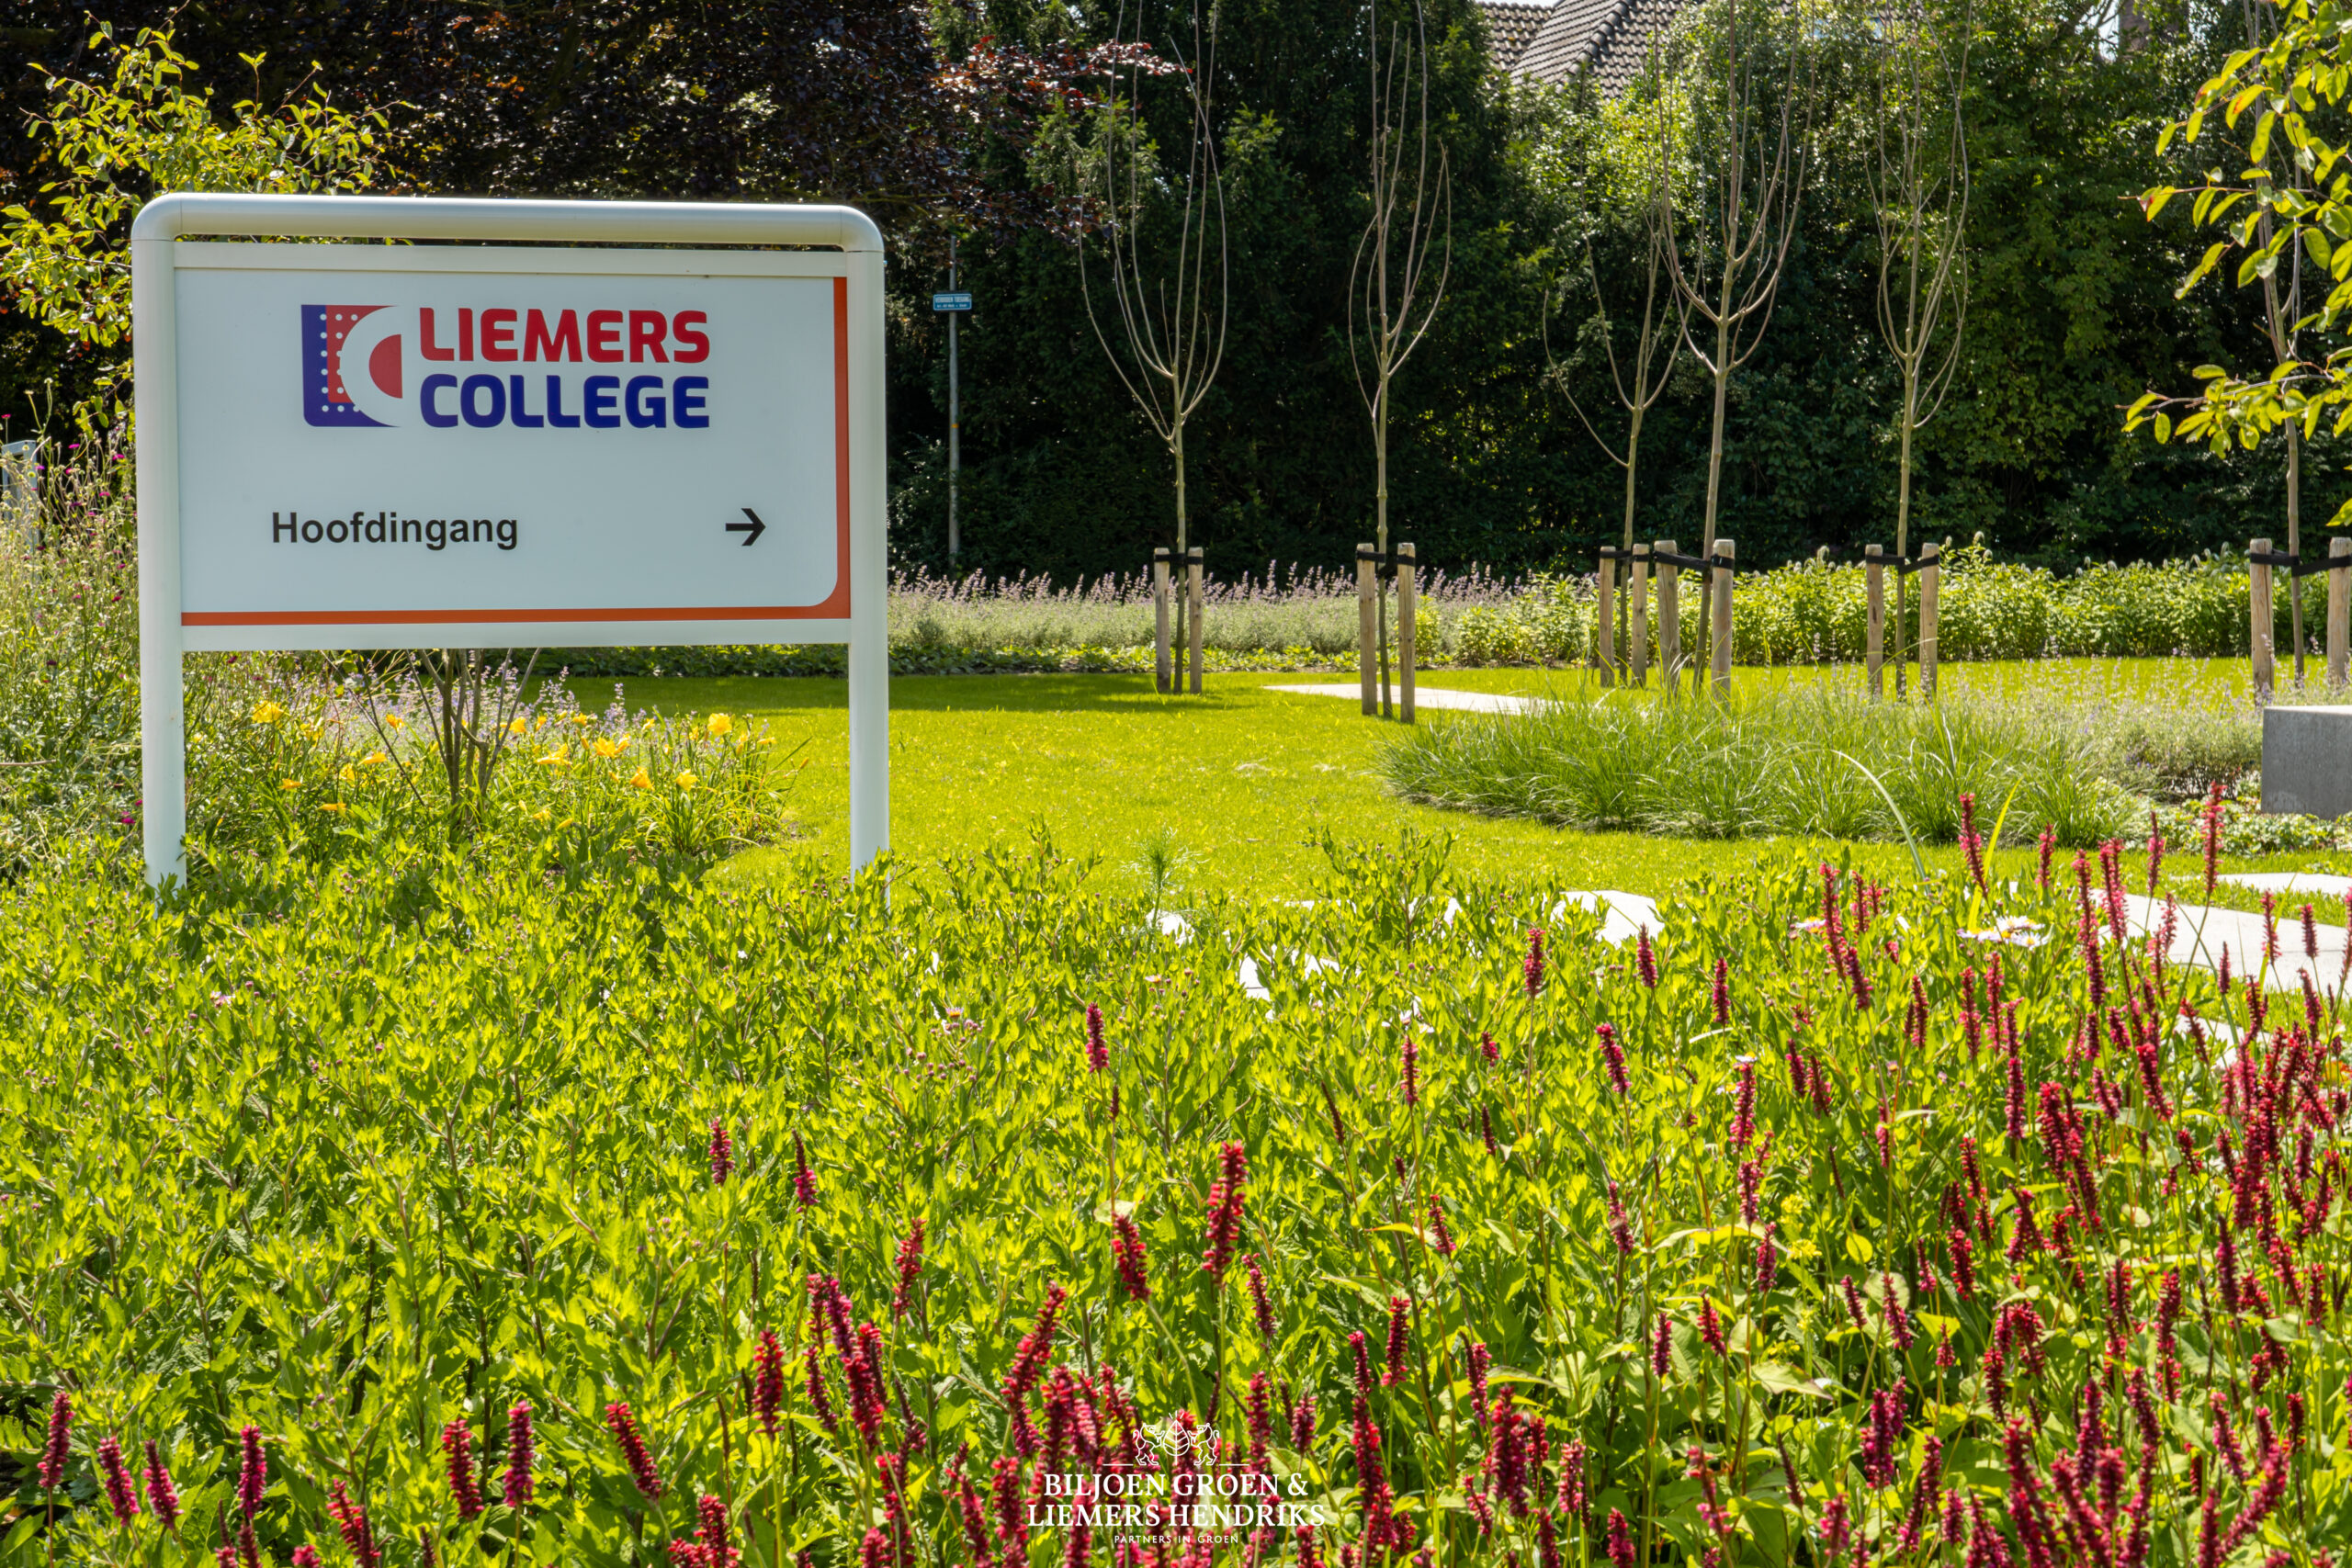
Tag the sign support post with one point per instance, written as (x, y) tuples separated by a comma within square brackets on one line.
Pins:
[(645, 577)]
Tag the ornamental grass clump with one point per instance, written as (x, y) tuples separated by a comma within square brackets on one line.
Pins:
[(1861, 1222)]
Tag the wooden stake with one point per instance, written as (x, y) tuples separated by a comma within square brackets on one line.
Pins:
[(1719, 580), (1875, 632), (2339, 613), (1931, 573), (1160, 610), (1407, 596), (1669, 619), (1193, 603), (1604, 634), (1639, 634), (1367, 631), (2257, 584)]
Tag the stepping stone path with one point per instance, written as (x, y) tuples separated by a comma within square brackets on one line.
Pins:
[(1429, 697), (2201, 935)]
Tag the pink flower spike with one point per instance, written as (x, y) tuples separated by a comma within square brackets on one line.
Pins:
[(58, 1447), (161, 1495), (1098, 1053), (521, 1453), (634, 1454), (458, 1443), (722, 1153), (804, 1181), (121, 1495), (252, 1472)]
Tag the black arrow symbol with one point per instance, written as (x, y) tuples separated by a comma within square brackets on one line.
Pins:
[(754, 528)]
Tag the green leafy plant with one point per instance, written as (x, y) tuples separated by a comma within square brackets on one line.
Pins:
[(117, 140)]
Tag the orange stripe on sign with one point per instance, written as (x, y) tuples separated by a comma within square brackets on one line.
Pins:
[(840, 438)]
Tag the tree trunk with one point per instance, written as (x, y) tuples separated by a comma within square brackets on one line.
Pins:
[(1176, 447), (1625, 603), (1903, 508), (1715, 447), (1380, 536)]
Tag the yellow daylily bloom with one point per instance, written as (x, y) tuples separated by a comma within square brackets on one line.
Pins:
[(640, 780), (607, 748), (686, 781), (520, 727), (372, 759), (542, 723), (720, 724), (268, 712), (394, 721), (580, 718), (349, 774), (541, 814), (331, 805), (557, 757), (290, 783)]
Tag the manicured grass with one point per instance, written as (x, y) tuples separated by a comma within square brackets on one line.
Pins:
[(1245, 779)]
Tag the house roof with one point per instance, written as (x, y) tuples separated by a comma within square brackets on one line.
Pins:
[(1511, 26), (1605, 38)]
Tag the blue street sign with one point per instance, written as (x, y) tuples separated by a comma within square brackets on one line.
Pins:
[(951, 301)]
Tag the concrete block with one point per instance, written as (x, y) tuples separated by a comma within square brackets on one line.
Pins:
[(2307, 760)]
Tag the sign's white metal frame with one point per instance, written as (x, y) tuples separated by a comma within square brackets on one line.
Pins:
[(862, 622)]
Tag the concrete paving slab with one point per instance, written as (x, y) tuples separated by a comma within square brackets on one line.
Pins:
[(2305, 882), (2202, 935)]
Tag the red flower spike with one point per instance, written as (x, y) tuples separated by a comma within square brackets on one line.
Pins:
[(1098, 1053), (161, 1495), (457, 1444), (1399, 1318), (521, 1454), (121, 1495), (767, 1382), (1127, 1255), (635, 1457)]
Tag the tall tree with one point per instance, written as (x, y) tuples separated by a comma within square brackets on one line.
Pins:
[(1163, 236), (1411, 216), (1917, 174), (1750, 114), (1639, 381)]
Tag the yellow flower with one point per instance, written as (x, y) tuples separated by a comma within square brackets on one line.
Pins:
[(268, 712), (686, 781), (290, 783), (555, 757), (394, 721), (580, 718), (541, 814), (720, 724), (331, 805), (349, 774), (370, 760), (640, 780), (542, 723), (609, 747), (519, 726)]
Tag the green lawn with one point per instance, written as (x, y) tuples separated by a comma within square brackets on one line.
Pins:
[(1245, 779)]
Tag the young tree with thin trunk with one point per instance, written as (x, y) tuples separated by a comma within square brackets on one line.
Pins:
[(2282, 313), (1165, 240), (1748, 123), (1656, 344), (1918, 180), (1411, 216)]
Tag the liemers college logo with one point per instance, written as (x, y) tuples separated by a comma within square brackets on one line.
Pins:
[(357, 372)]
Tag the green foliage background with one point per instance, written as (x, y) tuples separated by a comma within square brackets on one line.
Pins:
[(2071, 314)]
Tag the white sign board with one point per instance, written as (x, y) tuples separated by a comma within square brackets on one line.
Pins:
[(378, 446)]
